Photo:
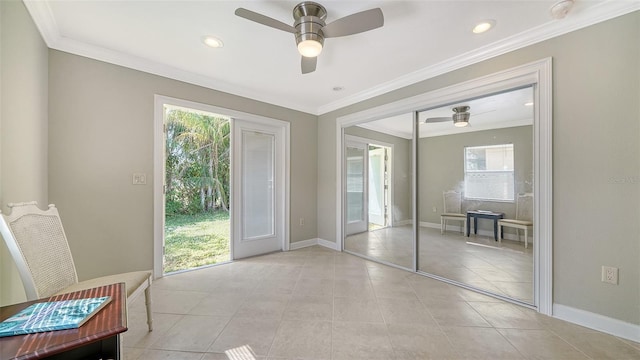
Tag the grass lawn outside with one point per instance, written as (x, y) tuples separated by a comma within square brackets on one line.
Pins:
[(196, 240)]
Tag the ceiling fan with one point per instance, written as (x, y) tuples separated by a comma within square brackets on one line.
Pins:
[(310, 29), (460, 117)]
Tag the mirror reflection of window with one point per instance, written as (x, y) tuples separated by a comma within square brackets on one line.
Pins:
[(489, 172)]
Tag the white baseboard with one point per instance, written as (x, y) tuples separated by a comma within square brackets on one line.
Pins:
[(598, 322), (311, 242), (303, 244), (328, 244)]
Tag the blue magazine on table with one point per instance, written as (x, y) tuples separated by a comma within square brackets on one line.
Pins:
[(55, 315)]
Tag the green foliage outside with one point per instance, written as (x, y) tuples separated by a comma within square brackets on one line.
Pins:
[(197, 162), (197, 189)]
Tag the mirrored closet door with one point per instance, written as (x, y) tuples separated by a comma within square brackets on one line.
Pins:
[(377, 196), (474, 163), (475, 185)]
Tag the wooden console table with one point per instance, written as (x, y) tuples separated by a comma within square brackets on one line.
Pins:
[(98, 338), (477, 214)]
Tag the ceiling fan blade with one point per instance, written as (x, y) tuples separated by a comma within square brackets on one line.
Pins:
[(309, 64), (355, 23), (264, 20), (437, 119)]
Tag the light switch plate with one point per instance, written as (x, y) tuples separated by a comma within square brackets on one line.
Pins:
[(139, 179)]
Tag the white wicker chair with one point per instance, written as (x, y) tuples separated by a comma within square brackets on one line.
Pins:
[(523, 220), (37, 242), (452, 210)]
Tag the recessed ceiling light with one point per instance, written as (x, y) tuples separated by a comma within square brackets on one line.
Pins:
[(528, 103), (212, 41), (484, 26)]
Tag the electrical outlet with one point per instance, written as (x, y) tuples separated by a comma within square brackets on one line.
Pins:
[(610, 275), (301, 221), (435, 209)]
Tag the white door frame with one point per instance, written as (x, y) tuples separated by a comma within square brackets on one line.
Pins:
[(390, 174), (159, 168), (538, 74)]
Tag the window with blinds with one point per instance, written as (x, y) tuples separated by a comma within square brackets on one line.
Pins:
[(489, 173)]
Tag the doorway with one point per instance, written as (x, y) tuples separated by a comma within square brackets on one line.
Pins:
[(368, 184), (196, 191), (379, 184), (246, 178)]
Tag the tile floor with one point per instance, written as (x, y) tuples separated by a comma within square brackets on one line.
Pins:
[(504, 268), (316, 303)]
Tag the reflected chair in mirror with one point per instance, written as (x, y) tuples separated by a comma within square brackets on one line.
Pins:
[(38, 245), (452, 210), (523, 220)]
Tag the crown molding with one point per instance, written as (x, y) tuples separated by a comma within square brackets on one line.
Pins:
[(46, 24), (602, 12), (43, 18)]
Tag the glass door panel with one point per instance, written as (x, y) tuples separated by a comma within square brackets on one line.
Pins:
[(356, 187), (257, 185)]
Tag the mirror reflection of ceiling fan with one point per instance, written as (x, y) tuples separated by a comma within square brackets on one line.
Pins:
[(460, 117), (310, 29)]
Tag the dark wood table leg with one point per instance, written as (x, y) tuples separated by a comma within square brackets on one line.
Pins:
[(475, 225)]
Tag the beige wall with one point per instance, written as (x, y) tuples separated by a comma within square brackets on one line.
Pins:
[(441, 168), (596, 155), (23, 125), (101, 132)]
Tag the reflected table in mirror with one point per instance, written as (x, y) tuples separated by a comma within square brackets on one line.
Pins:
[(483, 214)]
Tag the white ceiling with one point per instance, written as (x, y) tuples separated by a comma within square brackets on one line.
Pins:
[(419, 40)]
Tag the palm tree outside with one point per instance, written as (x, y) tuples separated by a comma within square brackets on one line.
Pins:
[(197, 228)]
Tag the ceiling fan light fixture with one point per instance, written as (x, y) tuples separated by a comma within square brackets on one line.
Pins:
[(309, 48), (461, 116), (460, 120), (310, 28)]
